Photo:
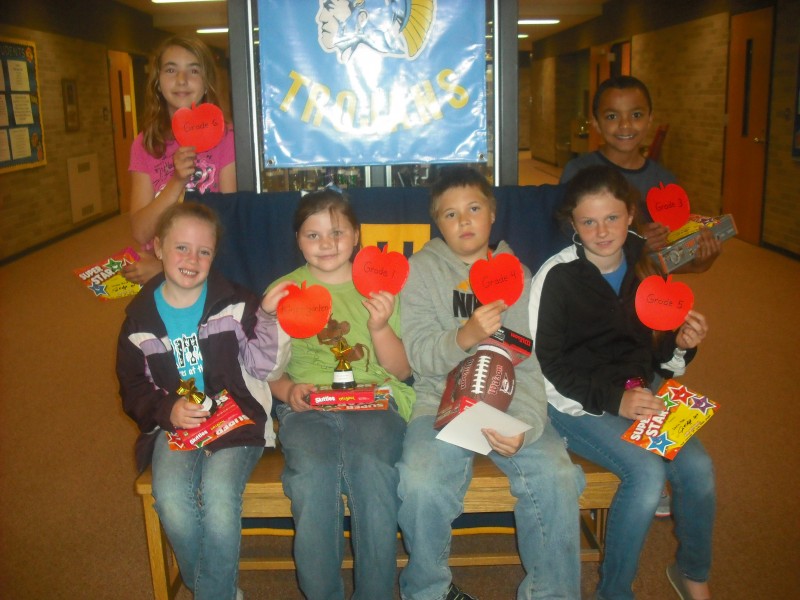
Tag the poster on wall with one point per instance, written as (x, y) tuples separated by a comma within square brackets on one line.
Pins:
[(21, 135), (369, 82)]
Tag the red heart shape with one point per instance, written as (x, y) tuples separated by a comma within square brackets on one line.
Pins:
[(304, 311), (375, 270), (498, 278), (668, 205), (200, 126), (662, 305)]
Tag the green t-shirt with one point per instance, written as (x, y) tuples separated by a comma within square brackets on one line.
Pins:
[(312, 359)]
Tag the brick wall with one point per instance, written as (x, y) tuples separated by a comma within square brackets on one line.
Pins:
[(781, 208), (34, 203), (685, 68)]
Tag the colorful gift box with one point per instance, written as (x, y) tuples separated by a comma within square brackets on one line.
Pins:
[(683, 242), (227, 418), (362, 397), (667, 432), (104, 278)]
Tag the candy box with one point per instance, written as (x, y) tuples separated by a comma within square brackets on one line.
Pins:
[(227, 418), (381, 402), (683, 242), (517, 345), (324, 396), (667, 432)]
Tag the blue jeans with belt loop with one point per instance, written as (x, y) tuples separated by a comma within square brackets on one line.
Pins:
[(329, 453), (198, 497), (642, 475), (434, 477)]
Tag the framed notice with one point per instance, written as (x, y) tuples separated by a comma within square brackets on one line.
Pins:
[(21, 132)]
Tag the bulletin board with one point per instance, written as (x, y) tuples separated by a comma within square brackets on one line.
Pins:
[(21, 132)]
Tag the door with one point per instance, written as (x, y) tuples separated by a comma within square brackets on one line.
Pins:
[(744, 162), (599, 71), (123, 120)]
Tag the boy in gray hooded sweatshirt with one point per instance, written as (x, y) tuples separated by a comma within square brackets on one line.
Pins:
[(442, 324)]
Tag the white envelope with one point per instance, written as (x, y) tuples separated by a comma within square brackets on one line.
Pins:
[(465, 429)]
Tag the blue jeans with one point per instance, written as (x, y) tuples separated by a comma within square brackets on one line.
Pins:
[(199, 501), (642, 475), (434, 476), (330, 453)]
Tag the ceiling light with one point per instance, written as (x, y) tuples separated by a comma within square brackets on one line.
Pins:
[(522, 36), (176, 1), (538, 22), (213, 29)]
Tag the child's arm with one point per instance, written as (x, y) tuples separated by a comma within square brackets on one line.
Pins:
[(291, 393), (389, 348), (227, 179), (149, 405), (483, 322), (264, 348), (146, 207)]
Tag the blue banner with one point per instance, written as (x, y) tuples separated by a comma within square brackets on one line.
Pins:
[(367, 82)]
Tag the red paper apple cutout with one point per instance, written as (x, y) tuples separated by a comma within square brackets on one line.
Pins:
[(499, 277), (668, 205), (662, 305), (375, 271), (304, 311), (200, 126)]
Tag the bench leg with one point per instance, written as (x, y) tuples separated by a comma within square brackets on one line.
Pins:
[(163, 568)]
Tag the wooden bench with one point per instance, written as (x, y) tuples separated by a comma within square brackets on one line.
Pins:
[(488, 493)]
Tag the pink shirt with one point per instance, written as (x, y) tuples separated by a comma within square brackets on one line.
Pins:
[(209, 164)]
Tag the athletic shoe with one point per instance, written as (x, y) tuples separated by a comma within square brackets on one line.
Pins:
[(453, 593)]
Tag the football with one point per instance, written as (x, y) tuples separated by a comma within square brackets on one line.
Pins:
[(486, 376)]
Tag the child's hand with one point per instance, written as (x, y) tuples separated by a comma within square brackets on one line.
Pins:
[(380, 306), (503, 445), (485, 320), (656, 235), (184, 162), (298, 396), (270, 301), (186, 414), (639, 403), (708, 249), (143, 269), (692, 332)]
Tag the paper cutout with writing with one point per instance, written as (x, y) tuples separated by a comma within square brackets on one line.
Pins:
[(201, 126), (668, 205), (662, 304), (376, 270), (499, 277), (304, 311)]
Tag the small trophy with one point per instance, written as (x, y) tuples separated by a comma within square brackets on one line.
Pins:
[(188, 389), (343, 374)]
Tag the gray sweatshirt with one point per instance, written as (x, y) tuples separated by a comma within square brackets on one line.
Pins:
[(435, 302)]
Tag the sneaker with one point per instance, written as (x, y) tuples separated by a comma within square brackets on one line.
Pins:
[(663, 509), (453, 593)]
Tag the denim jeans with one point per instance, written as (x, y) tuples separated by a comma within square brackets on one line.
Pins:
[(329, 453), (199, 501), (642, 475), (434, 476)]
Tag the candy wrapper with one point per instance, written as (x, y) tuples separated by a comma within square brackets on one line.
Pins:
[(227, 418), (104, 278), (666, 433), (362, 397)]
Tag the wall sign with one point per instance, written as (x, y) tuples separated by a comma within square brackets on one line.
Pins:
[(21, 134), (372, 82)]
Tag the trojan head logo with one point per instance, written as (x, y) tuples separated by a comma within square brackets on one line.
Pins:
[(397, 28)]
